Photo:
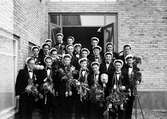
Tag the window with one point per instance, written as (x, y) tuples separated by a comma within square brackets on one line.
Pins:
[(105, 23), (82, 19), (8, 71)]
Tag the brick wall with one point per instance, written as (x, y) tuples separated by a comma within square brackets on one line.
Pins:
[(143, 24), (30, 24), (21, 21)]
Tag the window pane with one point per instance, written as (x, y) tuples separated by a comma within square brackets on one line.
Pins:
[(87, 20), (110, 19), (7, 73), (54, 19), (92, 20), (71, 20)]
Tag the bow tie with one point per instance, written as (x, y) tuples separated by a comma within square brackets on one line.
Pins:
[(118, 73), (83, 70), (96, 74), (30, 71), (48, 68)]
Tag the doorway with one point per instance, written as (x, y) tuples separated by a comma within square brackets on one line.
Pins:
[(84, 26), (83, 35)]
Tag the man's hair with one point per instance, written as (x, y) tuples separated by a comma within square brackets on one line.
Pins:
[(127, 46)]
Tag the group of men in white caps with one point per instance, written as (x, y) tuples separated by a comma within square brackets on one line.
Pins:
[(66, 80)]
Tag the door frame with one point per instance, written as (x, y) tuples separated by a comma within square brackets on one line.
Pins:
[(59, 20)]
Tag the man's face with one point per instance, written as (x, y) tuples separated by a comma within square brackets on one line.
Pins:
[(95, 68), (54, 54), (70, 41), (130, 61), (108, 58), (67, 61), (83, 64), (60, 39), (31, 64), (77, 48), (109, 48), (84, 54), (96, 51), (104, 78), (48, 62), (127, 50), (118, 66), (46, 48), (94, 43), (70, 49), (36, 51), (49, 43)]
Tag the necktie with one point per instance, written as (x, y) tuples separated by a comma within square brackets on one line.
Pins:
[(118, 72)]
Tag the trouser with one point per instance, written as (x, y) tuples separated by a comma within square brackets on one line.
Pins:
[(129, 107), (26, 104)]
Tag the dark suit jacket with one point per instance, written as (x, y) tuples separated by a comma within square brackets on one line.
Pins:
[(22, 81), (122, 82), (41, 57), (109, 71), (60, 49), (42, 74), (122, 57), (91, 81), (83, 78), (93, 58), (135, 76)]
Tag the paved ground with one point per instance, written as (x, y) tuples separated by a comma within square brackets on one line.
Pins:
[(147, 114), (152, 115)]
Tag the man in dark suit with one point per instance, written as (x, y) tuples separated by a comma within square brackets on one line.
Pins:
[(109, 48), (82, 97), (77, 51), (67, 73), (96, 56), (134, 78), (94, 43), (49, 88), (70, 40), (44, 52), (70, 50), (119, 85), (126, 51), (35, 53), (107, 67), (94, 82), (26, 88), (59, 44)]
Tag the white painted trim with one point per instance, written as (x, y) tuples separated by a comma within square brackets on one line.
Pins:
[(7, 113), (6, 34), (7, 54)]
